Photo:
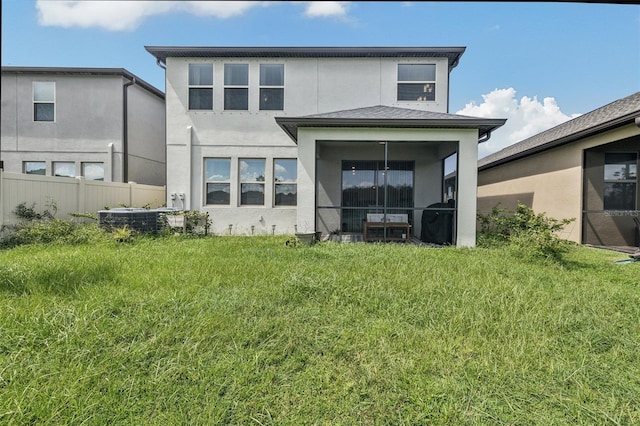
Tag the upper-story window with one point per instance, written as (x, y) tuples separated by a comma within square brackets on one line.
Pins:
[(416, 82), (271, 87), (44, 101), (201, 86), (236, 87), (620, 180)]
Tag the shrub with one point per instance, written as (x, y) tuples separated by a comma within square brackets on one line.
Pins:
[(530, 235), (52, 231)]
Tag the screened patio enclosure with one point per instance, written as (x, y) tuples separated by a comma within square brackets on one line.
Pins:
[(397, 181), (389, 161)]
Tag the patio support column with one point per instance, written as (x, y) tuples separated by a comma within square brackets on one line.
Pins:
[(306, 211), (467, 189)]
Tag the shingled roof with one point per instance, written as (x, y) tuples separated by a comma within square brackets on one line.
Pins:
[(390, 117), (618, 113)]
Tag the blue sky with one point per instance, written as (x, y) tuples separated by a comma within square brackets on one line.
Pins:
[(537, 64)]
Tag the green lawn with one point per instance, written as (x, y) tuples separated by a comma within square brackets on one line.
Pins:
[(245, 330)]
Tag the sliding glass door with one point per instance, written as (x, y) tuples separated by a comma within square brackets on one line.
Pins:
[(368, 188)]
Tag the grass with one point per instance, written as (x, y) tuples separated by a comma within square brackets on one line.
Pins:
[(245, 330)]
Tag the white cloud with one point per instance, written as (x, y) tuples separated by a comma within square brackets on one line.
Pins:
[(127, 15), (324, 9), (525, 118)]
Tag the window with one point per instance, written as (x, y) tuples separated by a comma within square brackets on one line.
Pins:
[(271, 87), (44, 93), (620, 180), (93, 171), (35, 167), (252, 182), (201, 86), (218, 180), (285, 173), (64, 168), (236, 91), (416, 82)]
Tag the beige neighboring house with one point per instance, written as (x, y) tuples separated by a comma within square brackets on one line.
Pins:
[(586, 168), (100, 123)]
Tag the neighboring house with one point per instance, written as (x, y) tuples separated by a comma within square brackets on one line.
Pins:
[(100, 123), (586, 168), (312, 139)]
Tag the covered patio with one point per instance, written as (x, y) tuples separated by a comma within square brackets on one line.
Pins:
[(391, 174)]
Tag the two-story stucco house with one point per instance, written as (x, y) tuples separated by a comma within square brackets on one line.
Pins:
[(315, 139), (100, 123)]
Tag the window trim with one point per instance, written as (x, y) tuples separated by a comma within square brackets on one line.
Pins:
[(24, 167), (217, 182), (416, 82), (276, 183), (34, 101), (83, 164), (53, 168), (266, 86), (235, 86), (200, 86), (252, 182)]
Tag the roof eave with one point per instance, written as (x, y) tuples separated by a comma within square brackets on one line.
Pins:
[(290, 125), (592, 131)]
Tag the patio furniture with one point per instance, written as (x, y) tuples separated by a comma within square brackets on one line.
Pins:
[(397, 227)]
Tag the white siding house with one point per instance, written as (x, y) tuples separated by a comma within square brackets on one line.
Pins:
[(292, 139), (100, 123)]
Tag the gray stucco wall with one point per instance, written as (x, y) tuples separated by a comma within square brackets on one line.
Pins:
[(88, 125)]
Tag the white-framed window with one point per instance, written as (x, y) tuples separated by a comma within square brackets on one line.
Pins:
[(64, 168), (236, 87), (251, 181), (44, 101), (416, 82), (200, 86), (285, 176), (93, 170), (218, 181), (620, 180), (271, 87), (34, 167)]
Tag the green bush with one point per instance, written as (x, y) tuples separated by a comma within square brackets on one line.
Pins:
[(530, 235), (52, 231)]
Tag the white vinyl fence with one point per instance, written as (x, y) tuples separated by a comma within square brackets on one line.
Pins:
[(71, 195)]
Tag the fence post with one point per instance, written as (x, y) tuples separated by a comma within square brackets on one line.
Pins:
[(1, 198), (81, 194)]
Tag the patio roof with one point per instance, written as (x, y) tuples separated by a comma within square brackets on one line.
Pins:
[(381, 116)]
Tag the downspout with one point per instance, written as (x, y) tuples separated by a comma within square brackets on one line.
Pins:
[(125, 130), (485, 138)]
